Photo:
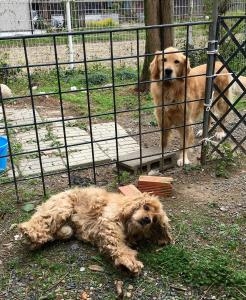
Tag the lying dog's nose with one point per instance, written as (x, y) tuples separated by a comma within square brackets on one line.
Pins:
[(145, 221), (168, 72)]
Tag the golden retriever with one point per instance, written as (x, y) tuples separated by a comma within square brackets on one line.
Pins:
[(110, 221), (179, 100)]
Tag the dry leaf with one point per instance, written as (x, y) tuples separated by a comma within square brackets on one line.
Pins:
[(84, 296), (119, 289), (96, 268)]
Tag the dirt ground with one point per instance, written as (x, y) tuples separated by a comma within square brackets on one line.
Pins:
[(196, 192)]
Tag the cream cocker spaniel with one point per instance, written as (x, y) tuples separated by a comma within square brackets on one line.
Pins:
[(111, 221)]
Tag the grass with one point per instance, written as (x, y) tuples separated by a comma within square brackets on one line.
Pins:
[(105, 99), (208, 254)]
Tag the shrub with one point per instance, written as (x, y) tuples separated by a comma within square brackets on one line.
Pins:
[(108, 22)]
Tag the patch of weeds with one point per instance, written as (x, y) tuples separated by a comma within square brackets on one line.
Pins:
[(191, 168), (80, 124), (97, 78), (123, 179), (228, 160), (7, 205), (16, 147), (241, 105), (199, 267), (123, 74)]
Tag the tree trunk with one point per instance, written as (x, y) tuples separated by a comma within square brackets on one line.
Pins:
[(156, 12)]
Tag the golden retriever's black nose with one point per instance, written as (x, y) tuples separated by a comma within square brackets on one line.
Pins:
[(168, 72), (145, 221)]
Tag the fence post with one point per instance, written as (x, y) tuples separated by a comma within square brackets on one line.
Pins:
[(212, 48), (70, 38)]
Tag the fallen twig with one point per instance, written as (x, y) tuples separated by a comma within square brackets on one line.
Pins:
[(205, 292)]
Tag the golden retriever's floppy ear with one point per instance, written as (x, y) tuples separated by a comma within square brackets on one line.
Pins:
[(154, 69), (185, 68), (161, 229)]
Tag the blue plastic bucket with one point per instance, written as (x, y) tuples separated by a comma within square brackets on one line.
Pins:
[(3, 152)]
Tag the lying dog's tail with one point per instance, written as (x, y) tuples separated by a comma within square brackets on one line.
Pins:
[(237, 88)]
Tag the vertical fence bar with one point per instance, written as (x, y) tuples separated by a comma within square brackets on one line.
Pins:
[(212, 47), (114, 103), (9, 146), (70, 38), (139, 104), (34, 114), (89, 108), (62, 109)]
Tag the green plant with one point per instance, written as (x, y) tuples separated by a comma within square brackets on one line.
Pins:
[(105, 23), (228, 160)]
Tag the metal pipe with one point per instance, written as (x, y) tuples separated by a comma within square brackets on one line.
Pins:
[(70, 38), (212, 47)]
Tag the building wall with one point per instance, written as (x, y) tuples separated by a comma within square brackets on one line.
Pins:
[(14, 15)]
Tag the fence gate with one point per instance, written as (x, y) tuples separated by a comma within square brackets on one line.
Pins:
[(230, 49)]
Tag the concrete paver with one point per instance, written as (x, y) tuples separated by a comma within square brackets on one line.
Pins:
[(78, 143)]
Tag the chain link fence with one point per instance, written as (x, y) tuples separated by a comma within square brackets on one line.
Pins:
[(37, 17)]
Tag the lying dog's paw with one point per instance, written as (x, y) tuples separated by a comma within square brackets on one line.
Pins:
[(130, 263)]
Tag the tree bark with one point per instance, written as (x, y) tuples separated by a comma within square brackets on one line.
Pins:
[(156, 12)]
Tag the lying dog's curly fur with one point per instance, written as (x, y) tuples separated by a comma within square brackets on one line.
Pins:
[(111, 221)]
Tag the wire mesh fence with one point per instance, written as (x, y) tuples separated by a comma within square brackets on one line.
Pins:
[(45, 16), (89, 124)]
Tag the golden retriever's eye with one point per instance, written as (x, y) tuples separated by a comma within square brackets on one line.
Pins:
[(176, 61), (146, 207), (164, 59)]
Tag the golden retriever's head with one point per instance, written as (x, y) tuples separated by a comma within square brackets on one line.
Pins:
[(144, 218), (169, 64)]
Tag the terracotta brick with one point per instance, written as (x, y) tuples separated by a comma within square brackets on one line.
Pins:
[(161, 186), (129, 190), (161, 179)]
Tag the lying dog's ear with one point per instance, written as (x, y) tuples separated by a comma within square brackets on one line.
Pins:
[(161, 230), (129, 208), (154, 68)]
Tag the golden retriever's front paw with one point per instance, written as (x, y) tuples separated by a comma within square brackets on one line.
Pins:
[(199, 133), (220, 135), (181, 162), (131, 263)]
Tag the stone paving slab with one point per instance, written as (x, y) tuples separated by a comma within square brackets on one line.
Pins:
[(83, 157), (78, 142), (20, 116), (29, 141), (126, 144), (31, 166)]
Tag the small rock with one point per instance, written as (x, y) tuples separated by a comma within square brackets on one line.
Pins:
[(74, 246), (154, 172), (73, 88), (223, 208), (82, 269), (96, 268)]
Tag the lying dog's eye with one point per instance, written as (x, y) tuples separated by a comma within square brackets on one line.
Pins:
[(176, 61), (146, 207)]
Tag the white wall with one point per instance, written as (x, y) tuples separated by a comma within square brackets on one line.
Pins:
[(14, 15)]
